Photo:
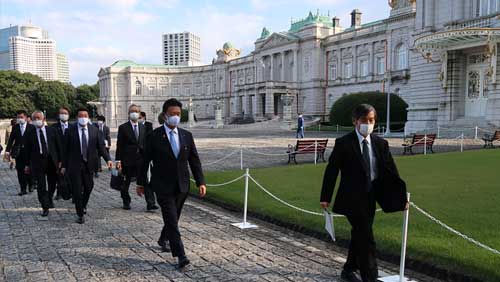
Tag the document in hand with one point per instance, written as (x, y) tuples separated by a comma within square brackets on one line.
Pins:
[(330, 228)]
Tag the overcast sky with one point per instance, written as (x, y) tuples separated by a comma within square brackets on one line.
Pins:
[(96, 33)]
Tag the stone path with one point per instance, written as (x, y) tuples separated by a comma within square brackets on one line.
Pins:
[(119, 245)]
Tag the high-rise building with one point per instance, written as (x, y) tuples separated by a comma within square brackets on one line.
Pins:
[(62, 68), (28, 48), (181, 49)]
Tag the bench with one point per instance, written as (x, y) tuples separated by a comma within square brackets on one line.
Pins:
[(307, 147), (419, 140), (489, 139)]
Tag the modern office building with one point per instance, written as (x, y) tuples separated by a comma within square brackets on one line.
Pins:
[(181, 49)]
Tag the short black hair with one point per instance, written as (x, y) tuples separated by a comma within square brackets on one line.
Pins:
[(143, 114), (82, 110), (161, 118), (362, 111), (22, 112), (65, 108), (101, 118), (172, 102)]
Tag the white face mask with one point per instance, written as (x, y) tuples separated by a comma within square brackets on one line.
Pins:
[(38, 123), (140, 120), (83, 121), (133, 116), (100, 122), (21, 121), (64, 117), (366, 129), (173, 120)]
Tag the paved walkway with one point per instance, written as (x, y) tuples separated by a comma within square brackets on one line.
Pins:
[(119, 245)]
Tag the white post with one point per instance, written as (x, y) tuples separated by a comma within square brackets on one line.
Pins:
[(315, 151), (475, 134), (425, 144), (388, 119), (245, 224), (337, 128), (438, 132), (241, 157), (319, 126), (404, 239), (462, 143)]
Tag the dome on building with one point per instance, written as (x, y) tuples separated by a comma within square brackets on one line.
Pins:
[(227, 46)]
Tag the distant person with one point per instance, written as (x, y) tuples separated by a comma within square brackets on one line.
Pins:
[(300, 127), (8, 130), (171, 150), (43, 150), (148, 125), (105, 132), (83, 148), (129, 156), (365, 163), (15, 150)]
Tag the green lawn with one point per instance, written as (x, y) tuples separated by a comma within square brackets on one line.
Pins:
[(460, 189)]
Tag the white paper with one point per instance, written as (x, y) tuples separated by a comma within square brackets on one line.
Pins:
[(106, 143), (330, 228)]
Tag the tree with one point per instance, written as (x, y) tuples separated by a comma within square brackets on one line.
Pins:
[(49, 97), (86, 93)]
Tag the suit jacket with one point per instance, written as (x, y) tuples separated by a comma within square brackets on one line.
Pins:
[(16, 143), (347, 159), (60, 134), (32, 149), (168, 174), (129, 150), (72, 158), (106, 134), (149, 127)]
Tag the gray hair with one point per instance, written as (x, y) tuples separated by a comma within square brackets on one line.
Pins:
[(134, 105), (37, 112)]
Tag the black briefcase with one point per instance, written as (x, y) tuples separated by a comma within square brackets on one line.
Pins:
[(390, 193), (116, 182)]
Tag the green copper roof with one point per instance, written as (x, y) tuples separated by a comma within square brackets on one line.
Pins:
[(227, 46), (265, 33), (311, 19)]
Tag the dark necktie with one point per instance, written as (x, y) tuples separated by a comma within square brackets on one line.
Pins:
[(84, 144), (44, 143), (136, 132), (366, 157)]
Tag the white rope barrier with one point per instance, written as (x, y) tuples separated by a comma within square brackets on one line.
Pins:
[(283, 154), (467, 238), (222, 184), (219, 160)]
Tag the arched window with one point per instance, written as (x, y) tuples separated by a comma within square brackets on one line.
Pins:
[(138, 88), (401, 57)]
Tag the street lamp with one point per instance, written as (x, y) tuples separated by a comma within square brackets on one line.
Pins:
[(388, 122)]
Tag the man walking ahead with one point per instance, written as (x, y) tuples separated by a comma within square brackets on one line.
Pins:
[(368, 171), (170, 150)]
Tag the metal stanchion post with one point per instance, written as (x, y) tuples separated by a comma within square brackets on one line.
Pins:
[(245, 224), (425, 144), (475, 134), (315, 151), (462, 143), (241, 157)]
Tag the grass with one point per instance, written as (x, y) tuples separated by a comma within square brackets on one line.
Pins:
[(460, 189)]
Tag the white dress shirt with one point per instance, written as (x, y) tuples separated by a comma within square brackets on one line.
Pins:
[(86, 135), (176, 136), (373, 161), (23, 128), (44, 132), (64, 126)]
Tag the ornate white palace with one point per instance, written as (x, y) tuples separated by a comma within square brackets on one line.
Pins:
[(440, 56)]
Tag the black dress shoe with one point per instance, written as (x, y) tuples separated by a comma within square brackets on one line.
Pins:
[(349, 276), (22, 193), (126, 206), (45, 212), (152, 208), (183, 262), (164, 246), (80, 220)]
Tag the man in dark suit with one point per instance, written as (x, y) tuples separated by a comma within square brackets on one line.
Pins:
[(363, 159), (15, 149), (61, 126), (171, 150), (105, 132), (147, 124), (130, 155), (83, 146), (43, 150)]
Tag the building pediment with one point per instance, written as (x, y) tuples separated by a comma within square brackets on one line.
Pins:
[(276, 39)]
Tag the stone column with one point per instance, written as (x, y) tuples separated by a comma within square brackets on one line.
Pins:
[(271, 76), (219, 123), (287, 110), (269, 103), (429, 13), (282, 66), (295, 66)]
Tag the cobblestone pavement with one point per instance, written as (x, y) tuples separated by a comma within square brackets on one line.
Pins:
[(119, 245)]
